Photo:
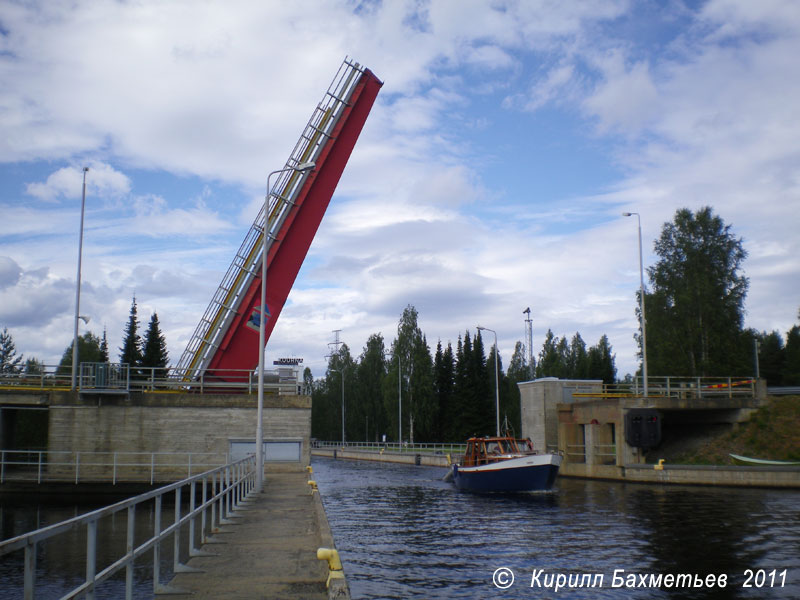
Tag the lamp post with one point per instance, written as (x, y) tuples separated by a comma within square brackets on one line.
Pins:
[(301, 168), (641, 302), (73, 386), (496, 379)]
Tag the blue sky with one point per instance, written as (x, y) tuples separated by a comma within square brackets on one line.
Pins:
[(491, 175)]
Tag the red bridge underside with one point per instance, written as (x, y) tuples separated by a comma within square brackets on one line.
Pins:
[(239, 348)]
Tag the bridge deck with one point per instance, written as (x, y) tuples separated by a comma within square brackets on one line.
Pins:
[(270, 552)]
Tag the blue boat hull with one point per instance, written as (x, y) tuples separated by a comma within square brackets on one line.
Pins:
[(515, 475)]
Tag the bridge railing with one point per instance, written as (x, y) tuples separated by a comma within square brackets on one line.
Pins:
[(679, 387), (221, 491), (121, 378), (80, 467), (437, 448)]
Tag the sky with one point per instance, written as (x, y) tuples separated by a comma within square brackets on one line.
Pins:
[(491, 175)]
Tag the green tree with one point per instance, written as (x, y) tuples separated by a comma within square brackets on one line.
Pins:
[(791, 365), (308, 381), (552, 357), (88, 351), (444, 388), (131, 350), (695, 311), (154, 352), (771, 356), (104, 347), (10, 363), (518, 371), (33, 366), (578, 359), (601, 362), (368, 400), (410, 373)]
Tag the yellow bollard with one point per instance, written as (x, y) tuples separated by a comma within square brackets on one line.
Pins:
[(660, 465), (449, 460), (334, 564), (309, 469), (313, 485)]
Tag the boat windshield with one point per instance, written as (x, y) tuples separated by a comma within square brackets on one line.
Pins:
[(497, 447)]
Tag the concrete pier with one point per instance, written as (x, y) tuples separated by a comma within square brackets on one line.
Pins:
[(270, 549)]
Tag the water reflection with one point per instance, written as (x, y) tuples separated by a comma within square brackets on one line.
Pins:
[(404, 533)]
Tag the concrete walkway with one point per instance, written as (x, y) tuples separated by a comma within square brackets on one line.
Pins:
[(270, 552)]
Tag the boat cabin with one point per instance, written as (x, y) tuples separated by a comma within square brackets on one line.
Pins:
[(482, 451)]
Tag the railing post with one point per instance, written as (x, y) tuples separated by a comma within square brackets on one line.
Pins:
[(77, 465), (157, 546), (39, 473), (129, 547), (91, 556), (191, 518), (176, 537), (203, 513), (30, 570), (114, 471), (730, 388), (152, 466), (2, 465)]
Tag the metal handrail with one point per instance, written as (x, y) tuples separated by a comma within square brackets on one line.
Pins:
[(443, 448), (92, 379), (57, 465), (222, 491), (678, 386)]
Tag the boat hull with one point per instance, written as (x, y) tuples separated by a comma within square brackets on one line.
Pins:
[(525, 473)]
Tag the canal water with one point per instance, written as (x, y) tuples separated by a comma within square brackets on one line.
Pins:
[(402, 532)]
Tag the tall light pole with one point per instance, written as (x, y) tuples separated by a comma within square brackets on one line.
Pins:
[(641, 302), (78, 289), (496, 379), (301, 168)]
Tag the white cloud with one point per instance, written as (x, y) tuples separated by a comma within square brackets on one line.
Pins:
[(101, 180), (220, 91)]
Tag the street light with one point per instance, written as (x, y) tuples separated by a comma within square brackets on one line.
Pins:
[(641, 302), (496, 379), (78, 289), (301, 168)]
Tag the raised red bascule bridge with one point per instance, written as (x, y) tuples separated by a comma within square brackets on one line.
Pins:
[(227, 338)]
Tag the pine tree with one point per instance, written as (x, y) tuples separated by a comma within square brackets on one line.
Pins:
[(601, 362), (444, 382), (10, 363), (131, 350), (155, 353), (370, 373), (104, 348)]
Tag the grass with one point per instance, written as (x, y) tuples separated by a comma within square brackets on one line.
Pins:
[(773, 432)]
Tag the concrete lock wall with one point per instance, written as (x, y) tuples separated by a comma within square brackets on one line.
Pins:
[(177, 423), (539, 400)]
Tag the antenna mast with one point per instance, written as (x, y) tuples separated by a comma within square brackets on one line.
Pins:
[(529, 340)]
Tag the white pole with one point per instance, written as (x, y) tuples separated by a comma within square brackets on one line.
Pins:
[(78, 289), (262, 326), (641, 303)]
